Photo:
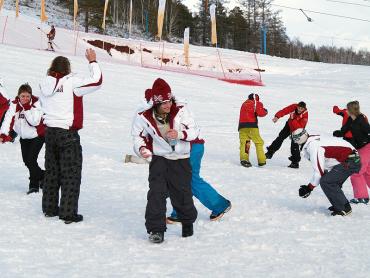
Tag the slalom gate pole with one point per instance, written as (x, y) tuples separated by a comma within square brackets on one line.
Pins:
[(222, 67), (6, 21), (162, 55), (141, 56), (78, 32)]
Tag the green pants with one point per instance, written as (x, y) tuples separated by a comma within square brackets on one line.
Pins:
[(246, 135)]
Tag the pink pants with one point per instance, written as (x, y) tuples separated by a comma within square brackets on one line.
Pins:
[(360, 180)]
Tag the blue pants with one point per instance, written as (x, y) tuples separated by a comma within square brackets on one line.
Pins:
[(202, 190)]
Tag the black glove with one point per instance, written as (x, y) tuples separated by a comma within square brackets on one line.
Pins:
[(305, 191), (337, 133)]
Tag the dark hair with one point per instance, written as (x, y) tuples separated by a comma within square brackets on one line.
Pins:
[(60, 65), (302, 104), (25, 88)]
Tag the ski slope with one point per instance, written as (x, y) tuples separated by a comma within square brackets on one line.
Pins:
[(270, 231)]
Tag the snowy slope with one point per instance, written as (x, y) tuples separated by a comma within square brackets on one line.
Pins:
[(270, 232)]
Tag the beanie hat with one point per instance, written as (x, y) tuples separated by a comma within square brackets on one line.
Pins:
[(161, 91), (302, 104)]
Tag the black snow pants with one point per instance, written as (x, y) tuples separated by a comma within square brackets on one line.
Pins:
[(63, 166), (173, 178), (30, 152), (332, 182), (294, 147)]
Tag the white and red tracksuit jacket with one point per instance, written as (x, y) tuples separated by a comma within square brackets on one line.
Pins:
[(146, 134), (61, 97), (324, 154), (296, 120), (4, 102), (26, 121)]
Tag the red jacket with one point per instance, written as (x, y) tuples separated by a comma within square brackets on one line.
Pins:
[(344, 114), (4, 106), (296, 120), (250, 110)]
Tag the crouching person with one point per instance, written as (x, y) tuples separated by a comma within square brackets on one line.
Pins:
[(333, 161), (24, 117), (163, 133)]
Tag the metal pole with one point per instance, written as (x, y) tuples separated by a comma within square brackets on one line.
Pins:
[(264, 40)]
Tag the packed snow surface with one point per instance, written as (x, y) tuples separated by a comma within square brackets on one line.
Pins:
[(269, 232)]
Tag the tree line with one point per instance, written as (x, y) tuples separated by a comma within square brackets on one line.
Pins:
[(238, 28)]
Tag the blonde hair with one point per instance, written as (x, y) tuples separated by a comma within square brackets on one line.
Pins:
[(354, 108)]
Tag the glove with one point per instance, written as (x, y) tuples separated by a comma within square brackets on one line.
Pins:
[(335, 109), (251, 97), (337, 133), (305, 190), (256, 97)]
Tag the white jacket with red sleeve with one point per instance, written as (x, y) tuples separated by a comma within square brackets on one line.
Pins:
[(324, 154), (146, 134), (61, 97), (26, 122)]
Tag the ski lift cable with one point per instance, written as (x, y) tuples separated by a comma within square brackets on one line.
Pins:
[(323, 13), (349, 3)]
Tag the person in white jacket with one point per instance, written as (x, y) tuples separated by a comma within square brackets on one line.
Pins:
[(333, 160), (61, 100), (163, 133), (24, 117)]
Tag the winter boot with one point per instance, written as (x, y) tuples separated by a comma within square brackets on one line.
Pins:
[(187, 230), (245, 163), (218, 216), (156, 237), (347, 210), (70, 219), (269, 154), (261, 164), (359, 201), (294, 165)]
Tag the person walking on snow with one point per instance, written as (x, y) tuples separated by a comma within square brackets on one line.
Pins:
[(333, 160), (24, 116), (163, 133), (251, 109), (62, 102), (201, 189), (344, 114), (51, 37), (357, 124), (298, 118)]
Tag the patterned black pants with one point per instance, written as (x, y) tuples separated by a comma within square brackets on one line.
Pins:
[(63, 166)]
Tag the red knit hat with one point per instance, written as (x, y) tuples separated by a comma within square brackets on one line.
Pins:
[(161, 91)]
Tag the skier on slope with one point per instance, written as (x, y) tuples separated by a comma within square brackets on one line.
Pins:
[(359, 128), (24, 116), (251, 109), (298, 118), (163, 133), (333, 160), (51, 37)]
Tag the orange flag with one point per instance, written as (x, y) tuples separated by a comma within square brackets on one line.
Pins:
[(212, 10), (75, 11), (161, 8), (16, 8), (43, 13)]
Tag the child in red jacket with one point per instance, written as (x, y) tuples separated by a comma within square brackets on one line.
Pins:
[(251, 109), (298, 118)]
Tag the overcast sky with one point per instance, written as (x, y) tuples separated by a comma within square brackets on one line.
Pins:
[(324, 29)]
